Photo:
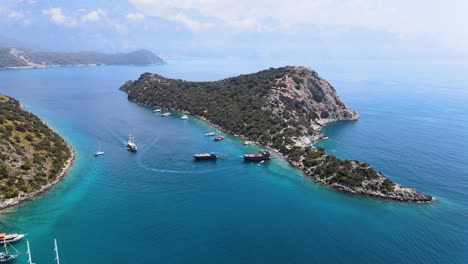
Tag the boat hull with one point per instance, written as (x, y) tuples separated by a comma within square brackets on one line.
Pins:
[(257, 157), (205, 157), (11, 238)]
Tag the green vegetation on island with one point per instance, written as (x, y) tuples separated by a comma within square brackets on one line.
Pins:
[(280, 108), (32, 156)]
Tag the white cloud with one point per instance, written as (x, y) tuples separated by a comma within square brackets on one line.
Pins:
[(55, 14), (93, 16), (135, 16), (444, 22), (15, 16)]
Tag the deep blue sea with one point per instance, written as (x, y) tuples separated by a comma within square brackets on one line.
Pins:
[(158, 206)]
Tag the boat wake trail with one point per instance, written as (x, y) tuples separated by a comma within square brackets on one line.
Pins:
[(145, 167)]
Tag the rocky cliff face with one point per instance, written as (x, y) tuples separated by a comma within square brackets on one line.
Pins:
[(283, 109)]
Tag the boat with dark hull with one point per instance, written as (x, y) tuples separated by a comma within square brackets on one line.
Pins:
[(261, 156), (206, 156), (218, 138)]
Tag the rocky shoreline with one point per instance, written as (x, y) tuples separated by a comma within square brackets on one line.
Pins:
[(30, 196), (10, 202), (283, 109), (401, 193)]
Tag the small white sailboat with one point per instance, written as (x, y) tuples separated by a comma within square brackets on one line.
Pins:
[(184, 117), (157, 110), (165, 114), (131, 146), (99, 152)]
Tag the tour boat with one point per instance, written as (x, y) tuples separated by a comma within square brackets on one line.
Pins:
[(206, 156), (184, 117), (218, 138), (10, 238), (165, 114), (210, 134), (264, 155), (131, 146)]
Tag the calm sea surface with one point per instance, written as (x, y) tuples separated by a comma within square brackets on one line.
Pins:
[(158, 206)]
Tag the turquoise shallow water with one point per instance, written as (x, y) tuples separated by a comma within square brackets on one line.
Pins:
[(158, 206)]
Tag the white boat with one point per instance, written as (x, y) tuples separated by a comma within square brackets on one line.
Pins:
[(10, 238), (184, 117), (131, 146), (99, 152), (157, 110), (165, 114), (210, 134), (247, 142)]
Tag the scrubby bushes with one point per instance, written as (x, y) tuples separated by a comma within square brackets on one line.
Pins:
[(21, 156)]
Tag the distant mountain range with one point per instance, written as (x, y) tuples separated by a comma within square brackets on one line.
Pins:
[(18, 58)]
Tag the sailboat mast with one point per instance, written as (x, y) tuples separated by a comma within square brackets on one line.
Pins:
[(57, 259), (5, 246), (29, 253)]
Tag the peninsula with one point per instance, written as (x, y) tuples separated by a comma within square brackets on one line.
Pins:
[(18, 58), (33, 158), (283, 109)]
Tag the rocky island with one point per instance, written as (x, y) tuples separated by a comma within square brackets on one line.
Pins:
[(19, 58), (33, 158), (283, 109)]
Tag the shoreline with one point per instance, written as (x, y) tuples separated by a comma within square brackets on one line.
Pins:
[(11, 202), (7, 203), (335, 187), (32, 67)]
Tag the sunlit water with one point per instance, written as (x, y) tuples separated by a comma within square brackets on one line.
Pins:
[(158, 206)]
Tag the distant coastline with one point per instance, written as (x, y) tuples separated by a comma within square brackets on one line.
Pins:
[(70, 65), (17, 58)]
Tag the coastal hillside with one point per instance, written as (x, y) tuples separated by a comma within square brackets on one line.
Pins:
[(280, 108), (32, 156), (23, 58)]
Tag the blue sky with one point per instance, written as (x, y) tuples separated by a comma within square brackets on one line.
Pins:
[(243, 28)]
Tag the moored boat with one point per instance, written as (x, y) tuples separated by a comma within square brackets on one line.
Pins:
[(184, 117), (10, 238), (261, 156), (157, 110), (218, 138), (206, 156), (165, 114), (210, 134), (7, 257), (131, 146)]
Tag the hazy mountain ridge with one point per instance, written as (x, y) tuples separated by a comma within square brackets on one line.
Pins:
[(283, 109), (24, 58)]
